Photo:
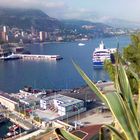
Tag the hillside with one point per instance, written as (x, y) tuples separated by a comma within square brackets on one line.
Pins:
[(79, 23), (25, 18), (120, 23)]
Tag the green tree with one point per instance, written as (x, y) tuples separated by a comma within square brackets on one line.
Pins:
[(131, 54), (109, 67), (131, 57), (36, 118)]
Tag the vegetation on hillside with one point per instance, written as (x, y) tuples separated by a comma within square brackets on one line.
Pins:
[(131, 57), (131, 54)]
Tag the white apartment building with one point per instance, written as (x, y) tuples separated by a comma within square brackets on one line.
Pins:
[(63, 105)]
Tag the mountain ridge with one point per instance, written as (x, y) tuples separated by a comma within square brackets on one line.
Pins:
[(121, 23), (25, 18)]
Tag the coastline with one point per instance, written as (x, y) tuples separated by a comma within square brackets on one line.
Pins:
[(73, 41)]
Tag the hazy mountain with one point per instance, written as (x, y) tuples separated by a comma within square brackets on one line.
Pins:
[(120, 23), (88, 28), (79, 23), (25, 18)]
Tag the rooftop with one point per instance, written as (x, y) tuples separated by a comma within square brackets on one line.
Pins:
[(66, 101), (8, 97), (30, 99)]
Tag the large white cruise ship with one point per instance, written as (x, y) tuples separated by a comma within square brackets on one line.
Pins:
[(101, 54)]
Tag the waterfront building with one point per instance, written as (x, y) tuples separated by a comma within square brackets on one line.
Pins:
[(0, 35), (4, 50), (42, 35), (4, 36), (63, 105), (4, 33), (8, 101), (59, 38), (23, 34), (4, 29)]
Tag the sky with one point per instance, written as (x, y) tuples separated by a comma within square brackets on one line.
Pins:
[(93, 10)]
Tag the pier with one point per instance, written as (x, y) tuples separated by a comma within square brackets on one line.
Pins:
[(16, 119), (39, 57)]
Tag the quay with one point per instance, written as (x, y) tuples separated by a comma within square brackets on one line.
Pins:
[(85, 108), (26, 125), (39, 57)]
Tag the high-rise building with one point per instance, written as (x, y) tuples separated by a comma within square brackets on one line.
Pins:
[(4, 36), (33, 30), (4, 29), (42, 36), (22, 33), (0, 35)]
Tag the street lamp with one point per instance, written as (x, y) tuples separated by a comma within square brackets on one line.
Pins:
[(78, 116)]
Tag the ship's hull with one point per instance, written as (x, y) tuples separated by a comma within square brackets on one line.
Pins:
[(98, 63), (14, 58), (10, 57)]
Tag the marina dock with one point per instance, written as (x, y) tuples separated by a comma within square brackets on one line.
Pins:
[(27, 125), (40, 57)]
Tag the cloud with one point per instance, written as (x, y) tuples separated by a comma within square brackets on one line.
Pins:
[(39, 4), (81, 9), (55, 5), (81, 13), (58, 9)]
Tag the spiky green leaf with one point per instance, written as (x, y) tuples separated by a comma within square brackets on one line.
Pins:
[(65, 134), (120, 112), (117, 133), (138, 103), (90, 83), (126, 90)]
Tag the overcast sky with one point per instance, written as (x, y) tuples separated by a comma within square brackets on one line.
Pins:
[(94, 10)]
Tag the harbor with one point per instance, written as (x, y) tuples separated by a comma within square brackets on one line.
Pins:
[(46, 108), (47, 74), (9, 127)]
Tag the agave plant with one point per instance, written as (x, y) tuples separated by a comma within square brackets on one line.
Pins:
[(62, 134), (125, 111)]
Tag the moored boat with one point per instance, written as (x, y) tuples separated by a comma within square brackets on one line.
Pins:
[(10, 134), (28, 91), (81, 44), (13, 128), (101, 54), (10, 57)]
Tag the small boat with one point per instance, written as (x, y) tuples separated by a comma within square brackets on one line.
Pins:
[(10, 134), (10, 57), (81, 44), (101, 54), (27, 91), (13, 128)]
